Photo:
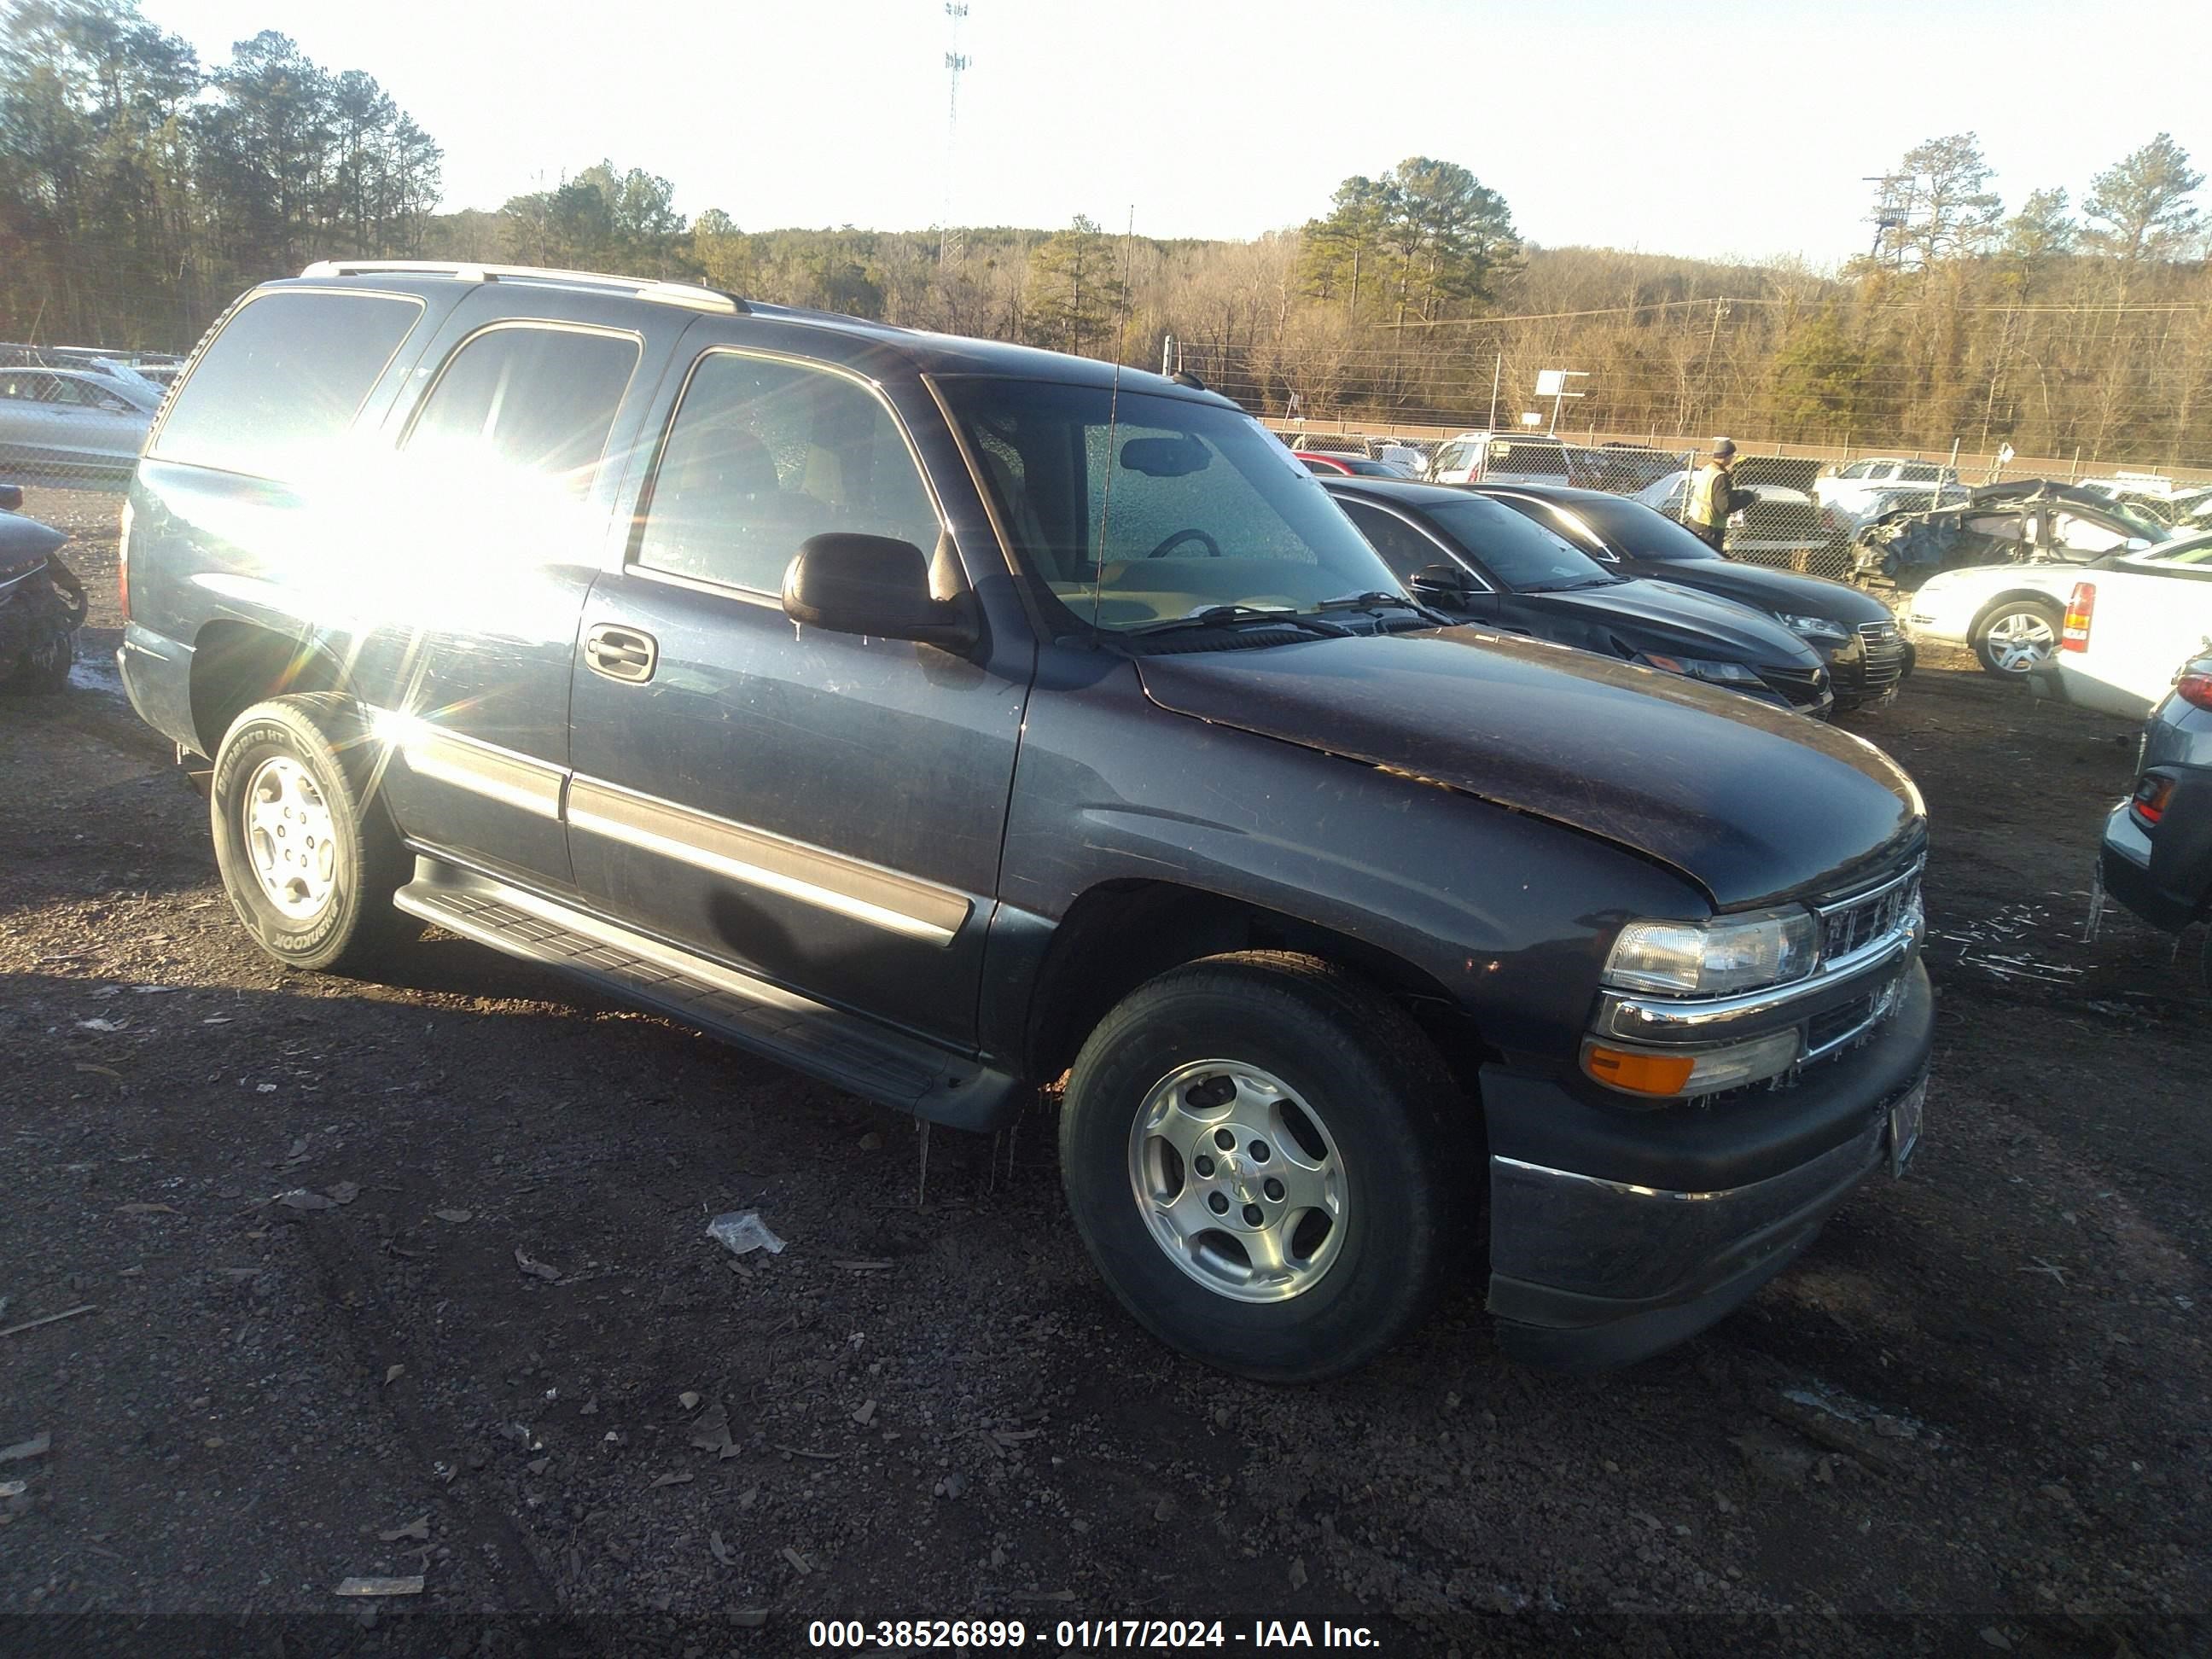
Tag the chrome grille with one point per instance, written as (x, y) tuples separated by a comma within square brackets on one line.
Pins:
[(1851, 924), (1881, 653)]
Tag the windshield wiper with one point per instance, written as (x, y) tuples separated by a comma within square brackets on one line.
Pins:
[(1379, 597), (1570, 588), (1234, 616)]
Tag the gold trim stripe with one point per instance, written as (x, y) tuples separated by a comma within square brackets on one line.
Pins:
[(885, 898)]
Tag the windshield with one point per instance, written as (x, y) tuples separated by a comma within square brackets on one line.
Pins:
[(1517, 552), (1629, 528), (1193, 505)]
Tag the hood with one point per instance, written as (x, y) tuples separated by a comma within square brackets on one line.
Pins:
[(1658, 616), (1753, 804), (1770, 591), (23, 540)]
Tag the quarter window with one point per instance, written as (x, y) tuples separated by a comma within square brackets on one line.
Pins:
[(284, 379), (539, 400), (764, 453)]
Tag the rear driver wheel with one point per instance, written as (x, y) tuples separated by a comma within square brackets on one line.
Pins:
[(309, 857), (1257, 1150), (2018, 636)]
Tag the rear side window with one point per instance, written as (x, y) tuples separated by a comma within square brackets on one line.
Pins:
[(538, 400), (284, 379)]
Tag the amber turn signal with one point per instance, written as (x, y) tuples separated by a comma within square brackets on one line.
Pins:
[(1639, 1073)]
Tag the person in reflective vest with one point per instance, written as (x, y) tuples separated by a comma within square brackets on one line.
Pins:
[(1714, 495)]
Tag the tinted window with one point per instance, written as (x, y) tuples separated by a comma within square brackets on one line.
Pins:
[(538, 400), (1630, 528), (1403, 548), (1519, 552), (284, 380), (764, 454)]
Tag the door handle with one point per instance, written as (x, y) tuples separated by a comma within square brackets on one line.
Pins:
[(620, 653)]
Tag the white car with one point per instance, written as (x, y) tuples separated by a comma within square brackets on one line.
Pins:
[(1855, 493), (2013, 616), (2131, 623)]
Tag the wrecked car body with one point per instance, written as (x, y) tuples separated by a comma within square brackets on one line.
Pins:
[(42, 604), (2021, 521)]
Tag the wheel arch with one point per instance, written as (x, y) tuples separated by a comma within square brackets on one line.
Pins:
[(2035, 595), (238, 663), (1122, 933)]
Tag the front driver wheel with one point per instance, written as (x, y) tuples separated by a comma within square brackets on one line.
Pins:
[(2018, 636), (1258, 1151), (309, 857)]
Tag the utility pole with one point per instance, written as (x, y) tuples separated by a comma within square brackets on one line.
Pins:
[(951, 245), (1497, 374)]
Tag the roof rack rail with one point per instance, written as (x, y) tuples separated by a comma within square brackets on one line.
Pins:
[(688, 294)]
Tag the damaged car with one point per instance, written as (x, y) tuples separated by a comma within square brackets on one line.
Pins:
[(41, 602), (2021, 521)]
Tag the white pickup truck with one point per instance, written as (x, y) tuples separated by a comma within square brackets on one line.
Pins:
[(2131, 625)]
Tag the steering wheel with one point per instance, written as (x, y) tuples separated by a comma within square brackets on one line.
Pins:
[(1213, 548)]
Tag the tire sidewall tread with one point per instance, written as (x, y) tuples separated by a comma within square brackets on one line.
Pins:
[(1373, 1078)]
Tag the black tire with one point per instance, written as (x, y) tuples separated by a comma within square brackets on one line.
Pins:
[(2047, 612), (1364, 1069), (356, 926)]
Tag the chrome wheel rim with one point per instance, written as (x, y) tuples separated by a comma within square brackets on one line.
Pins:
[(1238, 1179), (289, 838), (2019, 639)]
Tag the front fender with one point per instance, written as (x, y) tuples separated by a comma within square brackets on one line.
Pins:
[(1508, 912)]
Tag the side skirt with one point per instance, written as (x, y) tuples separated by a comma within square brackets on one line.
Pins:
[(778, 1024)]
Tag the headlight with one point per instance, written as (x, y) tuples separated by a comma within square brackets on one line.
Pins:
[(1814, 627), (1698, 668), (1718, 957)]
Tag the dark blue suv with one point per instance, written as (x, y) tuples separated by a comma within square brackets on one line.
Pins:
[(950, 720)]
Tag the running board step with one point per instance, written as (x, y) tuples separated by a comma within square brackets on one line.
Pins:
[(779, 1024)]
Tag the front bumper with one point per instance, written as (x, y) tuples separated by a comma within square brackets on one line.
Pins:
[(1615, 1234)]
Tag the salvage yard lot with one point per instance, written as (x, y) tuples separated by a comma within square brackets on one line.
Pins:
[(1981, 1393)]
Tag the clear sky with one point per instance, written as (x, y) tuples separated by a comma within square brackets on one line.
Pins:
[(1691, 128)]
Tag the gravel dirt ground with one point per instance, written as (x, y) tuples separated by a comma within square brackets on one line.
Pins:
[(412, 1277)]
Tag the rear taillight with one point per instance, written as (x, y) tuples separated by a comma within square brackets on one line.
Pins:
[(2195, 689), (2081, 612), (122, 565), (2151, 795)]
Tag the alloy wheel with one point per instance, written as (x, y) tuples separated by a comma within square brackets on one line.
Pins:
[(1239, 1181), (290, 838)]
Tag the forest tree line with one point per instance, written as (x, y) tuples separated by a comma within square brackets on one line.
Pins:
[(141, 189)]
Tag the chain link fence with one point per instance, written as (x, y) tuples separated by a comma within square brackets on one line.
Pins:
[(76, 415), (1788, 527)]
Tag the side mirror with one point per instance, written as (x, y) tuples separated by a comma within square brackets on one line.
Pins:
[(1443, 585), (11, 498), (874, 585)]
